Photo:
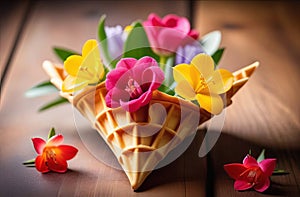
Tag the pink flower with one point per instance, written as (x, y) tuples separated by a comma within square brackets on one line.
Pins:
[(53, 155), (131, 84), (167, 34), (251, 173)]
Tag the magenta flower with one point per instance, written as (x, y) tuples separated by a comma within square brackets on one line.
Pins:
[(251, 174), (167, 34), (131, 84)]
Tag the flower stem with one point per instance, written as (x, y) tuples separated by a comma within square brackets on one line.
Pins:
[(162, 62)]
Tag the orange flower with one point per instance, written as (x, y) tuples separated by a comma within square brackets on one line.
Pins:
[(53, 155)]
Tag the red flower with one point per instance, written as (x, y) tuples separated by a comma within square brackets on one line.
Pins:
[(251, 173), (53, 155)]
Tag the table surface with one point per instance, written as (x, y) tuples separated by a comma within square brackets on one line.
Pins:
[(264, 114)]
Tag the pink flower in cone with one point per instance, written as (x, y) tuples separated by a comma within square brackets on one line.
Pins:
[(251, 174), (131, 84), (53, 155), (167, 34)]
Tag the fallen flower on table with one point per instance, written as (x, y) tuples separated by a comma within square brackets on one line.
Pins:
[(252, 173), (53, 155)]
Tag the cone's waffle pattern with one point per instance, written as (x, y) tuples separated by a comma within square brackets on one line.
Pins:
[(141, 139)]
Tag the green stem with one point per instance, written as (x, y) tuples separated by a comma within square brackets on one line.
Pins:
[(162, 62)]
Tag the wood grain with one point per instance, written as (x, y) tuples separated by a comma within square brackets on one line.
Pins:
[(13, 19), (266, 110), (265, 113)]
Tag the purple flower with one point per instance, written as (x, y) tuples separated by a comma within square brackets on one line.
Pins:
[(186, 53), (131, 83), (115, 40)]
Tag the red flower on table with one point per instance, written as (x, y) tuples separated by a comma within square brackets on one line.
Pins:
[(251, 174), (53, 155)]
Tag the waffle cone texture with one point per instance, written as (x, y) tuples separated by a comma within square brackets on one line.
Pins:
[(142, 139)]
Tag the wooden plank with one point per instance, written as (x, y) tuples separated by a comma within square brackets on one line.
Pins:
[(63, 24), (266, 105), (13, 15), (264, 114)]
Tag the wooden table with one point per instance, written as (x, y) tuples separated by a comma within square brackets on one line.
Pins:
[(264, 114)]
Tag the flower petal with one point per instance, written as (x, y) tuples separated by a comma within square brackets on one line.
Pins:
[(141, 66), (55, 140), (242, 185), (126, 63), (57, 164), (38, 144), (92, 67), (220, 82), (72, 64), (113, 77), (185, 90), (262, 186), (267, 166), (88, 46), (180, 24), (66, 151), (40, 164), (169, 40), (250, 161), (185, 72), (153, 76), (234, 170), (205, 65), (212, 103), (72, 84)]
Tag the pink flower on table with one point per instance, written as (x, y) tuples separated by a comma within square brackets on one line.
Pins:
[(167, 34), (131, 83), (251, 174), (53, 155)]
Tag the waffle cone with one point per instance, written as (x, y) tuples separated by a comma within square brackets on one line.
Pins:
[(142, 139)]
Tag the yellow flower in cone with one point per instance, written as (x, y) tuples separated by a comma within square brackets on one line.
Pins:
[(199, 81), (83, 70)]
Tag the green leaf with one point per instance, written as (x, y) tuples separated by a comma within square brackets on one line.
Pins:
[(63, 54), (261, 156), (30, 166), (41, 89), (218, 55), (104, 44), (51, 133), (279, 172), (250, 152), (29, 162), (211, 42), (54, 103), (166, 90), (137, 44)]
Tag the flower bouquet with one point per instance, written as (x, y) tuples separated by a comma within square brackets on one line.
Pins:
[(146, 88)]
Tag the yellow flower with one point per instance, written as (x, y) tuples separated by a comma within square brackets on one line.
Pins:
[(199, 81), (83, 70)]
